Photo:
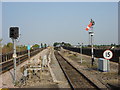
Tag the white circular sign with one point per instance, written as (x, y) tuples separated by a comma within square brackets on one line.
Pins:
[(107, 54)]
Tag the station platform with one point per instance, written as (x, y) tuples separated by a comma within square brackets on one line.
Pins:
[(49, 76)]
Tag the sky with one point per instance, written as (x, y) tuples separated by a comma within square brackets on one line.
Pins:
[(49, 22), (0, 20), (119, 23)]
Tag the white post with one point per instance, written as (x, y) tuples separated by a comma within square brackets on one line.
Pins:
[(28, 56), (19, 53), (81, 51), (14, 59), (108, 65), (92, 49), (91, 33)]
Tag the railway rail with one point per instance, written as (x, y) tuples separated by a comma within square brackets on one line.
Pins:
[(7, 65), (74, 77)]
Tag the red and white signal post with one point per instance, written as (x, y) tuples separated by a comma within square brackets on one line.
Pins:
[(91, 33)]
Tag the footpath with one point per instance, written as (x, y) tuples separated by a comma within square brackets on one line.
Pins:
[(56, 71)]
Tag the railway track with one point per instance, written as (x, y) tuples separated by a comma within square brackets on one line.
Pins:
[(5, 66), (74, 77)]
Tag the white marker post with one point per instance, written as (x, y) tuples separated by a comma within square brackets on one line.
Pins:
[(80, 48), (14, 58), (28, 48), (107, 54), (81, 51)]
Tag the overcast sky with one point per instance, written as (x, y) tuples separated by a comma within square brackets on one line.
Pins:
[(49, 22)]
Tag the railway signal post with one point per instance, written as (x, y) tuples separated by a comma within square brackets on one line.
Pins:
[(14, 57), (14, 34), (91, 34)]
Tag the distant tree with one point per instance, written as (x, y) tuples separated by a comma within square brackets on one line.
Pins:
[(45, 45), (1, 40), (0, 44), (62, 44), (113, 44), (10, 45), (56, 44), (35, 46), (41, 45), (67, 44), (7, 48), (21, 48)]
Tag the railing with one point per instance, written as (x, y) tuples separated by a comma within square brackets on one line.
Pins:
[(8, 56)]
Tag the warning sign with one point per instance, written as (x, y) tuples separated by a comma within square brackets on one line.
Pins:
[(107, 54)]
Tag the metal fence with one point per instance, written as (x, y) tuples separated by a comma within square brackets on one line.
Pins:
[(98, 53), (8, 56)]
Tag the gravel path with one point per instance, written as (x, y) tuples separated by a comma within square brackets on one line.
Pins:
[(51, 77), (41, 80), (7, 77)]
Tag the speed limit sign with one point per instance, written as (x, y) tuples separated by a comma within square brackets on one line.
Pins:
[(107, 54)]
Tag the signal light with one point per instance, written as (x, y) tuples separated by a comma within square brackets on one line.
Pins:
[(93, 23), (14, 32)]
